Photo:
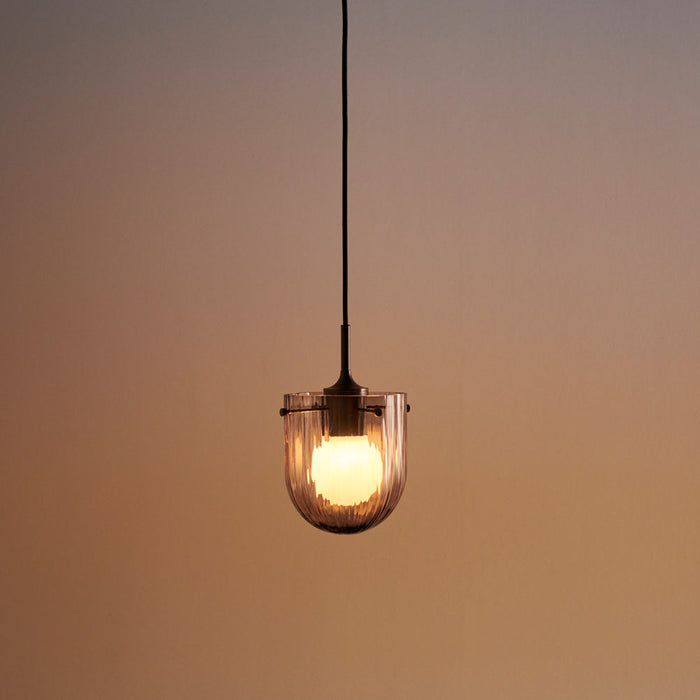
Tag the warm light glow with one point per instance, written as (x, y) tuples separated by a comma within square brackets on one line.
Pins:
[(346, 470)]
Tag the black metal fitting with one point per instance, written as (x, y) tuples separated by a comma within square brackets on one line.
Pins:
[(286, 411), (377, 410)]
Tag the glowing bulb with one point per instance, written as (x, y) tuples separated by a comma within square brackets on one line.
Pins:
[(346, 470)]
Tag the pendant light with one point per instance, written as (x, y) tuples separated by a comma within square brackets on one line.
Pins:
[(345, 446)]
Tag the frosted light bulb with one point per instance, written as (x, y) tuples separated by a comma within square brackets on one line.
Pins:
[(346, 470)]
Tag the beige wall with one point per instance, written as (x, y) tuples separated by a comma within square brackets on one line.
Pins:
[(525, 250)]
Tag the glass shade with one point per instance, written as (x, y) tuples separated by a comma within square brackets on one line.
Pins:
[(345, 480)]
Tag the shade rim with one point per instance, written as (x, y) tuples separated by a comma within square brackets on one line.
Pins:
[(368, 394)]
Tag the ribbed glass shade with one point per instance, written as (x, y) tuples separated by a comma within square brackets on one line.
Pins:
[(345, 483)]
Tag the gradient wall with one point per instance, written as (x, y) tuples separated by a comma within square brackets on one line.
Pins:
[(525, 256)]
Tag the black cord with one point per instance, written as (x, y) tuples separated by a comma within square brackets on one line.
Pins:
[(345, 162), (345, 384)]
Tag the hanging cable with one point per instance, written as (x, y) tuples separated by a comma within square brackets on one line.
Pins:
[(345, 384), (345, 162)]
